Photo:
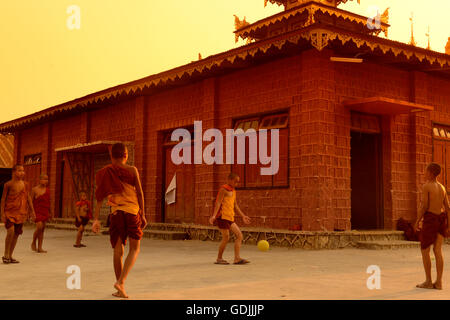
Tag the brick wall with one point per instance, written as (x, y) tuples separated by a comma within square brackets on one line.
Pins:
[(311, 89)]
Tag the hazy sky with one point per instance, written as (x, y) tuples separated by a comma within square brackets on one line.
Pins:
[(44, 63)]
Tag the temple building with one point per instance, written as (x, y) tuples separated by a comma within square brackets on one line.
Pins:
[(359, 116)]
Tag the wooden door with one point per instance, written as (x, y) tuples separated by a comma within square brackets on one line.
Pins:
[(183, 210)]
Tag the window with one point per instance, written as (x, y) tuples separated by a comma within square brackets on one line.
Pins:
[(32, 159), (250, 174), (441, 152)]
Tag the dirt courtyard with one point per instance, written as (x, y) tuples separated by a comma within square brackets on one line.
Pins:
[(185, 270)]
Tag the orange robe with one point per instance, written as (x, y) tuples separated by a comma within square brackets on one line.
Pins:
[(16, 207)]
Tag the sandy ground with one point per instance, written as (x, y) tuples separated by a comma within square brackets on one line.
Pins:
[(185, 270)]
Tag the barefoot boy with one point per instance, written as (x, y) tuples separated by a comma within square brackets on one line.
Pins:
[(83, 215), (434, 225), (41, 204), (224, 210), (15, 208), (120, 184)]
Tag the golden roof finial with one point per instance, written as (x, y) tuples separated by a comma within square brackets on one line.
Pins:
[(447, 47), (428, 36), (412, 42)]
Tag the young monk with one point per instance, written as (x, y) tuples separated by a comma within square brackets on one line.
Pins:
[(16, 205), (121, 185), (41, 204), (83, 215), (224, 211), (434, 226)]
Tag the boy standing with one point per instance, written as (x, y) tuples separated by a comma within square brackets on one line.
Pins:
[(434, 226), (224, 211), (15, 207), (41, 204), (121, 185), (83, 215)]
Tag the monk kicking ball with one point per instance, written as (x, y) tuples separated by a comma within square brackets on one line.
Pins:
[(224, 211), (121, 185), (16, 208), (41, 204), (434, 226)]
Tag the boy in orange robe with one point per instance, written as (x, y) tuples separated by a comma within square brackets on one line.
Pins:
[(16, 205), (121, 185), (224, 210)]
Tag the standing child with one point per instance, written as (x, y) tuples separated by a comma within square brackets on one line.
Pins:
[(434, 226), (41, 203), (16, 205), (224, 212), (83, 215), (121, 185)]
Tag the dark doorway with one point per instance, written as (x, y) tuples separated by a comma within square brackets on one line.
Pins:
[(366, 180)]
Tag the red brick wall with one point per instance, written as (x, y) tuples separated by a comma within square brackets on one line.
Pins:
[(311, 89)]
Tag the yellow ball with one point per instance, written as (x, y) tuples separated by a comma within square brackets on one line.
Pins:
[(263, 245)]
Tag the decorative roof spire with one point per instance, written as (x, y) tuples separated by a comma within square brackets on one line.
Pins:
[(428, 36), (447, 47), (412, 42)]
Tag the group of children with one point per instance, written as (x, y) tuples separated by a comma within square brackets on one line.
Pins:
[(120, 185), (19, 205)]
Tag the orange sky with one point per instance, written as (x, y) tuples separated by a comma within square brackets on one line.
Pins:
[(43, 63)]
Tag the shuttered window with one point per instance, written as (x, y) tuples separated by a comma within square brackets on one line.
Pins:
[(250, 174), (441, 152)]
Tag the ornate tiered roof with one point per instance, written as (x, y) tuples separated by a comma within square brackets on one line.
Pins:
[(333, 28), (291, 3), (307, 13)]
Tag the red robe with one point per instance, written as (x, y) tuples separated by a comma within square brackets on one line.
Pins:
[(109, 181), (41, 206)]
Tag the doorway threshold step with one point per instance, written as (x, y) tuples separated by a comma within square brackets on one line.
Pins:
[(387, 245)]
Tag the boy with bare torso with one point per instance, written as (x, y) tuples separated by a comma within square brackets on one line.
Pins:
[(434, 226)]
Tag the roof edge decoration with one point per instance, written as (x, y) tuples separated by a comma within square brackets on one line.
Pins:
[(318, 37)]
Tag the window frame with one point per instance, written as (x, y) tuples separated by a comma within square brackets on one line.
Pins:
[(283, 126)]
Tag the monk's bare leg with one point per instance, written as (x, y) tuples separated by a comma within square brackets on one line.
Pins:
[(117, 261), (428, 284), (8, 241), (129, 262), (35, 237), (439, 261), (41, 226), (238, 242), (223, 243), (79, 235), (13, 244)]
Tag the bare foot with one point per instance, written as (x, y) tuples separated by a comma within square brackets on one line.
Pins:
[(33, 246), (425, 285), (41, 251), (116, 294), (437, 285), (121, 290)]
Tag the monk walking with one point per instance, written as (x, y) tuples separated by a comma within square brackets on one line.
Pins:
[(434, 226), (120, 184), (224, 210), (41, 204), (16, 205)]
